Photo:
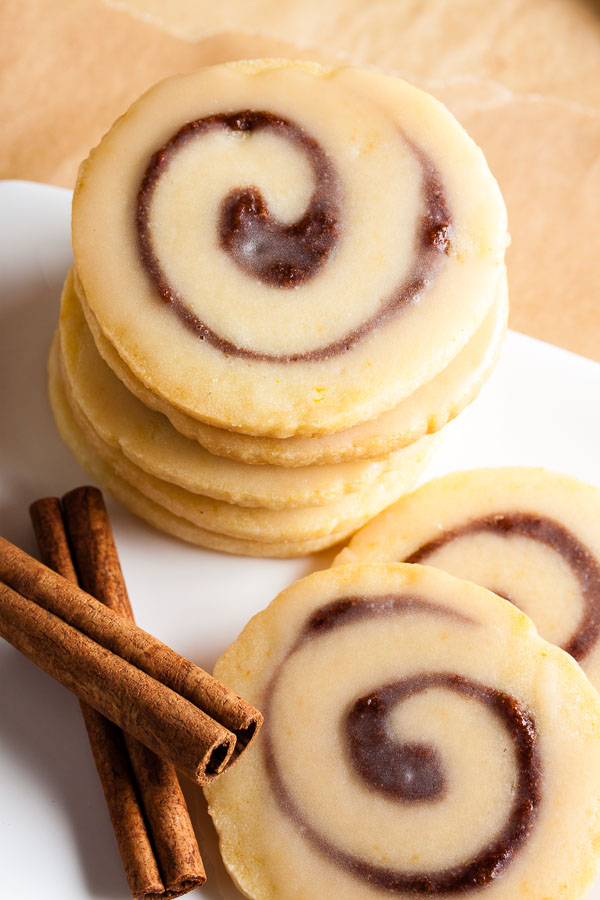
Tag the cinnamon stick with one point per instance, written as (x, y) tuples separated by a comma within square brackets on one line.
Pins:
[(172, 706), (155, 837)]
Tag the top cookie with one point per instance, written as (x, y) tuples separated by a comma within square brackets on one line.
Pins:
[(282, 248)]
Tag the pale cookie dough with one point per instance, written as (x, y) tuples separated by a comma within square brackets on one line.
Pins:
[(147, 439), (530, 535), (285, 248), (428, 410), (282, 526), (151, 512), (420, 739)]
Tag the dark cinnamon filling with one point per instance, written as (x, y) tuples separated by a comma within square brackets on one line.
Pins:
[(407, 772), (287, 256), (412, 772), (581, 561)]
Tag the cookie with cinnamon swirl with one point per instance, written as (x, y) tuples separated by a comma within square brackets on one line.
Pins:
[(286, 249), (530, 535), (420, 739)]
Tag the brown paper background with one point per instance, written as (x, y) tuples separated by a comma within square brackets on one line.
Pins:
[(523, 76)]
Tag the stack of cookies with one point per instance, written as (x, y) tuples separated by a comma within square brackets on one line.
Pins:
[(287, 279)]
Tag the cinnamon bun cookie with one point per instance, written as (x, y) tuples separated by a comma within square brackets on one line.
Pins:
[(530, 535), (287, 249), (420, 739)]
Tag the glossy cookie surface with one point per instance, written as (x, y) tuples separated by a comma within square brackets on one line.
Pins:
[(420, 739), (530, 535), (293, 249)]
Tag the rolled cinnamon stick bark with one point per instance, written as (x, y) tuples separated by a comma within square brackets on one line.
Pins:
[(156, 839), (106, 740), (172, 706), (165, 722)]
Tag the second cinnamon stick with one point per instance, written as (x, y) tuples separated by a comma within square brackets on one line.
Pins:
[(156, 839)]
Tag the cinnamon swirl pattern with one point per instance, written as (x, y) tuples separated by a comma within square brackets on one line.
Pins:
[(530, 535), (308, 246), (284, 256), (412, 746), (287, 256)]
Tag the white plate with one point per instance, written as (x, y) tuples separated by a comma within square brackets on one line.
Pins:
[(539, 408)]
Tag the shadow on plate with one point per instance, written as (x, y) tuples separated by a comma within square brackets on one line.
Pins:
[(33, 459), (44, 741)]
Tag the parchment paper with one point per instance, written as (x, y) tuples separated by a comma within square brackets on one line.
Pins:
[(523, 76)]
